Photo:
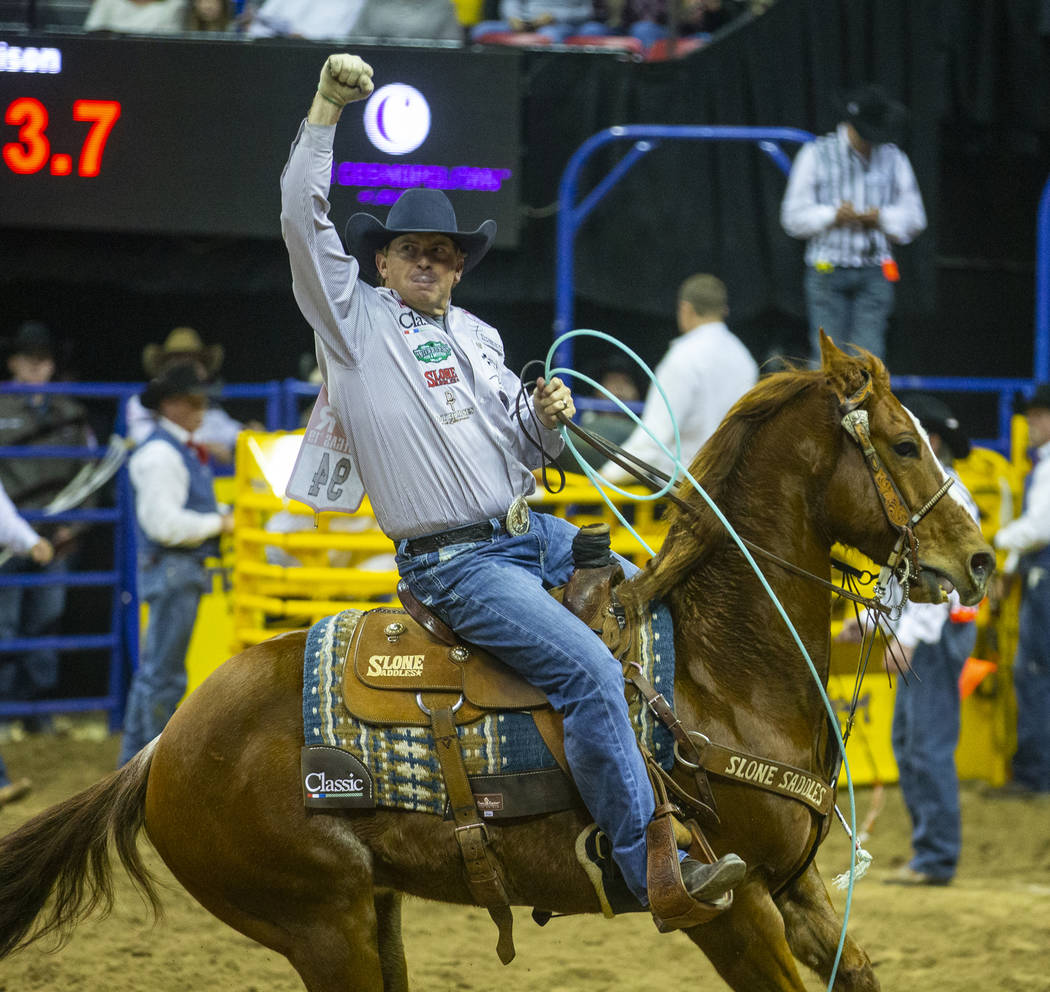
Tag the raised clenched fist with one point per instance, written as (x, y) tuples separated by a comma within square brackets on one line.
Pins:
[(344, 79)]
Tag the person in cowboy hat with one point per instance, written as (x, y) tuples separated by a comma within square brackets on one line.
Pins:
[(1027, 543), (178, 527), (183, 345), (421, 389), (851, 196), (933, 640), (37, 420)]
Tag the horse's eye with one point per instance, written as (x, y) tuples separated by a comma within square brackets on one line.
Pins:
[(906, 449)]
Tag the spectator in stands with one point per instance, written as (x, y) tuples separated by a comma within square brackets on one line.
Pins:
[(933, 641), (179, 523), (19, 538), (212, 15), (705, 371), (851, 196), (319, 20), (553, 19), (649, 20), (37, 420), (219, 431), (410, 19), (137, 16), (1027, 540), (421, 389)]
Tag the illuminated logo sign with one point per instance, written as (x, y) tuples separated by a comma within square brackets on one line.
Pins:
[(29, 59), (397, 119)]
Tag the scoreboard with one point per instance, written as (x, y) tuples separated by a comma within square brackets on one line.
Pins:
[(180, 136)]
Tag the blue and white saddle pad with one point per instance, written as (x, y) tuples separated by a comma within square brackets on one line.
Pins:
[(402, 760)]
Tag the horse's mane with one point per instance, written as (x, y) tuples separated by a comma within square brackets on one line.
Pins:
[(719, 468)]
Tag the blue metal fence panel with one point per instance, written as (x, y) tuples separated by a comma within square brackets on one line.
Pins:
[(647, 137)]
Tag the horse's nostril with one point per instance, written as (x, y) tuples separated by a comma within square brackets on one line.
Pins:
[(982, 564)]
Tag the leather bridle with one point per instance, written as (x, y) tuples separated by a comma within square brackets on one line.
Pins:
[(903, 562)]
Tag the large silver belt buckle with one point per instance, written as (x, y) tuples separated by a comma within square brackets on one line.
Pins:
[(518, 521)]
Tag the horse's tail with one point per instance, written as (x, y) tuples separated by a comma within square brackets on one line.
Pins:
[(63, 854)]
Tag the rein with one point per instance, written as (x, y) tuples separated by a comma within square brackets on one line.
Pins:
[(903, 562), (654, 478)]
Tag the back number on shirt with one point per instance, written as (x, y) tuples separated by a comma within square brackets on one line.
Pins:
[(334, 484)]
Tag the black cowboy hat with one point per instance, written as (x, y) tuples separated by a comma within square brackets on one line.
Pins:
[(415, 211), (875, 116), (936, 418), (177, 380), (32, 338)]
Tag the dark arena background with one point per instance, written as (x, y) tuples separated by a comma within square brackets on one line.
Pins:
[(180, 226)]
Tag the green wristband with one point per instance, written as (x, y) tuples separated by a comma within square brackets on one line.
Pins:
[(334, 103)]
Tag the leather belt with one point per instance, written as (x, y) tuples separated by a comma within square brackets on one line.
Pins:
[(460, 535)]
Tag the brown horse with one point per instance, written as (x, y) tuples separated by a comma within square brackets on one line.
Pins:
[(219, 792)]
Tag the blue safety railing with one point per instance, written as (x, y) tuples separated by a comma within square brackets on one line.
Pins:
[(648, 137), (122, 639)]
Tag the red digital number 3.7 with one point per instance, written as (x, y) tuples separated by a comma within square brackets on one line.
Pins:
[(31, 151)]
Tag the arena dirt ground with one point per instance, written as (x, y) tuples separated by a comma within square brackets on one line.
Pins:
[(990, 930)]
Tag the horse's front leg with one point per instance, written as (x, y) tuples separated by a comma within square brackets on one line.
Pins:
[(747, 944), (813, 931), (391, 947)]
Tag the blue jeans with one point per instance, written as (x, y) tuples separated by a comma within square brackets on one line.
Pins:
[(925, 735), (30, 611), (171, 582), (494, 594), (5, 779), (1031, 761), (852, 305)]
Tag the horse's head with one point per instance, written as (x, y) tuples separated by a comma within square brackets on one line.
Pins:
[(887, 495)]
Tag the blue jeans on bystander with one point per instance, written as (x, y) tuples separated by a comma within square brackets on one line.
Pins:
[(852, 305), (925, 735), (1031, 761), (171, 582)]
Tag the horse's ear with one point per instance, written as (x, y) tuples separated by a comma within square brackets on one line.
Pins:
[(828, 352), (846, 375)]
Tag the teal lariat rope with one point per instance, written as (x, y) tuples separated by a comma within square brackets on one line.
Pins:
[(680, 471)]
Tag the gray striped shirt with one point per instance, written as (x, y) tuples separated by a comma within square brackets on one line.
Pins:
[(828, 172), (427, 408)]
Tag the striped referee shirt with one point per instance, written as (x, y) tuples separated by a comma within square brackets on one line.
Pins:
[(828, 172), (427, 405)]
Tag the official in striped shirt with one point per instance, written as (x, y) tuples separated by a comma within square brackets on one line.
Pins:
[(851, 196)]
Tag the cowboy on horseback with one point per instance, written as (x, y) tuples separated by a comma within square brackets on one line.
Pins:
[(422, 392)]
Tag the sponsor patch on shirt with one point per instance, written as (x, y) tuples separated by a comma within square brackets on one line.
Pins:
[(440, 377), (432, 352), (411, 322), (489, 340), (454, 415)]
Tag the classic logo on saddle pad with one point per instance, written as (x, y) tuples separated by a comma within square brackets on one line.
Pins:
[(333, 778)]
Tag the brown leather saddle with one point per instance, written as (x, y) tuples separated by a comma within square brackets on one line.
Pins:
[(402, 664)]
